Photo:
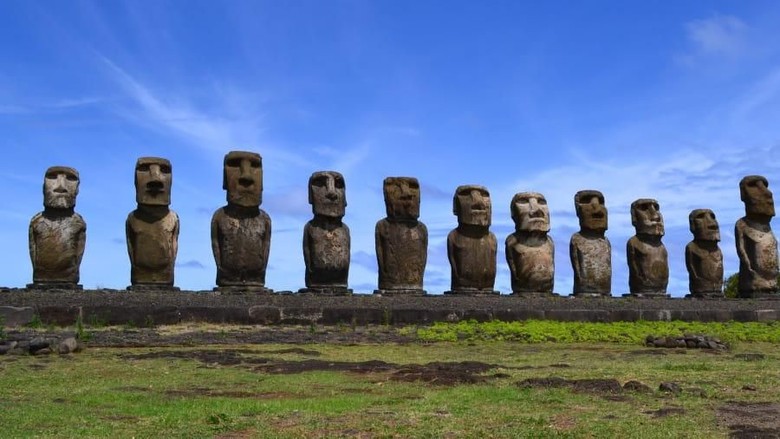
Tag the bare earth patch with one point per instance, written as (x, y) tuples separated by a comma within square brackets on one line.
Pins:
[(439, 373), (754, 420)]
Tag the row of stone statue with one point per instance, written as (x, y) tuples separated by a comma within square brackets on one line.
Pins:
[(241, 234)]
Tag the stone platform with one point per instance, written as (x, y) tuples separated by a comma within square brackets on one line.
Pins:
[(114, 307)]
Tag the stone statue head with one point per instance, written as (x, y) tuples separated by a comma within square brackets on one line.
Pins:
[(530, 212), (646, 217), (402, 198), (242, 178), (704, 225), (327, 194), (755, 193), (591, 210), (153, 180), (60, 187), (471, 204)]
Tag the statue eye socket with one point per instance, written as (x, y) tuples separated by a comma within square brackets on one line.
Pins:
[(319, 182), (71, 177), (233, 163), (413, 185), (339, 183), (541, 201), (255, 164), (165, 169), (144, 167)]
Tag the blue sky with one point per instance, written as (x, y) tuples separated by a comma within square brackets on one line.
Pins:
[(668, 100)]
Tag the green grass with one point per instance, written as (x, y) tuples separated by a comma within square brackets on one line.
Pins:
[(98, 393), (540, 331)]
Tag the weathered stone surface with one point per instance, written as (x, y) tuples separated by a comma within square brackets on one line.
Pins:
[(472, 247), (670, 387), (756, 243), (241, 231), (67, 346), (590, 251), (326, 239), (636, 387), (16, 315), (38, 344), (152, 229), (690, 341), (530, 252), (648, 261), (401, 240), (57, 235), (703, 257)]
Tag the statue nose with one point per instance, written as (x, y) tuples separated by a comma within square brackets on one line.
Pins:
[(536, 209)]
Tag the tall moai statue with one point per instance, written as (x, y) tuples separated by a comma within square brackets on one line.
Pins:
[(401, 240), (648, 261), (530, 251), (589, 250), (471, 247), (57, 235), (703, 257), (152, 229), (756, 243), (326, 241), (241, 231)]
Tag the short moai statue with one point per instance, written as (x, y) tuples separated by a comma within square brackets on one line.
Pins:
[(152, 229), (241, 231), (326, 241), (703, 257), (648, 261), (530, 252), (589, 249), (401, 240), (756, 243), (57, 235), (472, 247)]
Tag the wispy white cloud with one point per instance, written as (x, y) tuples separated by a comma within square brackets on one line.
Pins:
[(205, 130), (56, 105), (716, 35)]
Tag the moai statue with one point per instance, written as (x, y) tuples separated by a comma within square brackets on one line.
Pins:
[(530, 252), (471, 247), (325, 237), (703, 258), (756, 244), (152, 229), (57, 235), (241, 231), (648, 261), (589, 250), (401, 240)]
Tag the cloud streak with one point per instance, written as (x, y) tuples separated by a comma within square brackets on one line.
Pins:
[(206, 131)]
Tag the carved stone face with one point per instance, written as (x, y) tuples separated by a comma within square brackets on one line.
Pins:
[(704, 225), (327, 194), (530, 212), (646, 217), (591, 210), (153, 181), (755, 193), (60, 187), (243, 178), (472, 205), (402, 198)]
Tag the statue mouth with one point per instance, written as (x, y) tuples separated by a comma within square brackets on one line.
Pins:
[(155, 187)]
